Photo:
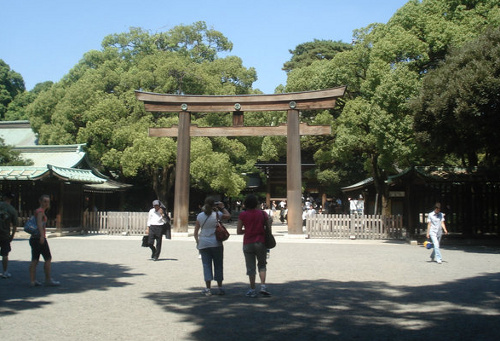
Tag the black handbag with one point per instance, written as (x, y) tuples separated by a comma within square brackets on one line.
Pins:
[(145, 241), (167, 230), (270, 241)]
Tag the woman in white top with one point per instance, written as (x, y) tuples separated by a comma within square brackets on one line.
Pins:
[(435, 228), (211, 250)]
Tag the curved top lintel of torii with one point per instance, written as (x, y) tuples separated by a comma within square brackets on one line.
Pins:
[(305, 100)]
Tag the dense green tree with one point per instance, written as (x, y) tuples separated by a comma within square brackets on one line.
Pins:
[(196, 41), (16, 109), (458, 111), (383, 71), (95, 104), (11, 85), (307, 53)]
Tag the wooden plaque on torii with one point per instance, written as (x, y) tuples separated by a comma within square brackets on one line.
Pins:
[(238, 104)]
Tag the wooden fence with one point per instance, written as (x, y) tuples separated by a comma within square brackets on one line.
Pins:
[(130, 223), (343, 226)]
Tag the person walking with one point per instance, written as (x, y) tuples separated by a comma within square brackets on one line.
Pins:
[(8, 227), (251, 225), (435, 228), (211, 250), (154, 230), (40, 246)]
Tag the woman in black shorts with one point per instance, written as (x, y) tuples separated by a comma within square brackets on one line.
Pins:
[(40, 246)]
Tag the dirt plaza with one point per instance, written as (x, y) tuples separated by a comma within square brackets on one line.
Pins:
[(322, 290)]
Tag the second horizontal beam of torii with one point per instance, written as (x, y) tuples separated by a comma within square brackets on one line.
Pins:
[(280, 130)]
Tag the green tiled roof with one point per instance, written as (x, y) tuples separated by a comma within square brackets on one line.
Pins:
[(29, 173), (64, 162), (77, 175), (21, 172)]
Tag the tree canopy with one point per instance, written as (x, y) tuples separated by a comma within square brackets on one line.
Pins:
[(11, 85), (307, 53), (457, 111), (383, 71), (95, 104)]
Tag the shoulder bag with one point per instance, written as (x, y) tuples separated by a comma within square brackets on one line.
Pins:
[(270, 241), (221, 233), (31, 226)]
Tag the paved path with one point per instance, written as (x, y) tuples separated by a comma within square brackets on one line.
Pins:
[(322, 290)]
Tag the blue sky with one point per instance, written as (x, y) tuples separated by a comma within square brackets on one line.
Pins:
[(43, 39)]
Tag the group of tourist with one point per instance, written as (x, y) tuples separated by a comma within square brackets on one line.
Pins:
[(251, 222)]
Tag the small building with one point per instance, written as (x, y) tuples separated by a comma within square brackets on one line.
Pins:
[(470, 198), (61, 171)]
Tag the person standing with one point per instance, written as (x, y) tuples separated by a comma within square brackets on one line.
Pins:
[(8, 220), (251, 225), (40, 246), (435, 228), (211, 250), (156, 220)]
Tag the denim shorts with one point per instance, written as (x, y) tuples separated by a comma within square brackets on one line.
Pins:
[(255, 251)]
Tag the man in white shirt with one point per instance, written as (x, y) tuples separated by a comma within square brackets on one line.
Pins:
[(155, 223)]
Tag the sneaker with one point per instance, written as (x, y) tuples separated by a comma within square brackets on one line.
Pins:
[(207, 292), (439, 261), (251, 293), (264, 292), (35, 284), (6, 275), (221, 292), (52, 283)]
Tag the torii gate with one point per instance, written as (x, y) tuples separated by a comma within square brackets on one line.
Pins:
[(238, 104)]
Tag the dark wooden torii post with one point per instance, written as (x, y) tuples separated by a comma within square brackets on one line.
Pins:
[(238, 104)]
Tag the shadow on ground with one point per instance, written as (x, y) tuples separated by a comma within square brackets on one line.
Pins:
[(16, 296), (325, 310)]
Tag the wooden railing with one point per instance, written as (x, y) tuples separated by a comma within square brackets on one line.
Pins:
[(343, 226), (130, 223)]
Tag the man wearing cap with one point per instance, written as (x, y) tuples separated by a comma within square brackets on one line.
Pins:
[(156, 221), (8, 219)]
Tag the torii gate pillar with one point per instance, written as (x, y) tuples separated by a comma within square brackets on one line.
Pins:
[(291, 102), (181, 199), (294, 174)]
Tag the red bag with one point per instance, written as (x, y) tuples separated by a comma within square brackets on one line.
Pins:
[(221, 233)]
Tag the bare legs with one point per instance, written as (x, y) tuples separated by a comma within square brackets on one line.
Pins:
[(262, 275), (46, 268)]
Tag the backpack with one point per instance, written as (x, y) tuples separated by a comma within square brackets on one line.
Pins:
[(4, 214), (31, 226)]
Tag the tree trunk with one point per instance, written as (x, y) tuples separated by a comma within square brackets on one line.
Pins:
[(381, 188), (163, 181)]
